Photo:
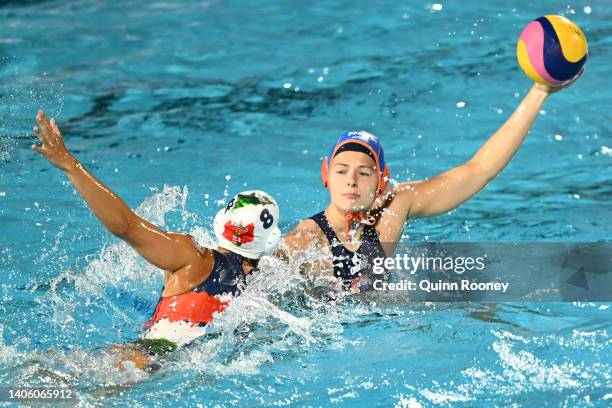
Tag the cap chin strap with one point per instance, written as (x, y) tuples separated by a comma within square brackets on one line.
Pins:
[(272, 241), (369, 220)]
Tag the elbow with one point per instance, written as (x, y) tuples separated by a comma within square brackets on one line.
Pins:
[(119, 232), (122, 228), (481, 170)]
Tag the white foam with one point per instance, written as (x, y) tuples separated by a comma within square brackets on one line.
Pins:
[(407, 402)]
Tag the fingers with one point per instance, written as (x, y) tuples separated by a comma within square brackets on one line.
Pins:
[(37, 149), (578, 75), (37, 133), (574, 79), (55, 131), (44, 132), (42, 121), (580, 72), (48, 132)]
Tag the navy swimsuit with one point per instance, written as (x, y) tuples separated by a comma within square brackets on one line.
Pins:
[(199, 304), (350, 265), (227, 275)]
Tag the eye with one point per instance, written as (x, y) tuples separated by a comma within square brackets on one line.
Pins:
[(366, 173)]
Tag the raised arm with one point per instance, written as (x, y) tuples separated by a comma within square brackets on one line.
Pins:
[(452, 188), (166, 250)]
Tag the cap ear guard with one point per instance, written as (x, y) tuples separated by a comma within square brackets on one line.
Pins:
[(324, 170), (218, 223), (384, 181), (273, 240)]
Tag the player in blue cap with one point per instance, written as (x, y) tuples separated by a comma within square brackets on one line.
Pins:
[(355, 175), (364, 219)]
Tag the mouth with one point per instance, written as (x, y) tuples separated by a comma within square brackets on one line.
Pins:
[(351, 196)]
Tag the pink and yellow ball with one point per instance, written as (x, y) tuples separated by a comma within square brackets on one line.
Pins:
[(552, 50)]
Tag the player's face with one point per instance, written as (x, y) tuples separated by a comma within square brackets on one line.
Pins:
[(352, 181)]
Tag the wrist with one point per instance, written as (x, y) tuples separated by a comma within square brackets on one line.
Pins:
[(542, 89), (70, 163)]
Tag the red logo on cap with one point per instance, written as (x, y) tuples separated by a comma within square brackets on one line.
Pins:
[(238, 234)]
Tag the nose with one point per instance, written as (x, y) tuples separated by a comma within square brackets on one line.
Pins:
[(351, 179)]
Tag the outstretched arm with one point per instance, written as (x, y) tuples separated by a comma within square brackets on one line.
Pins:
[(167, 250), (452, 188)]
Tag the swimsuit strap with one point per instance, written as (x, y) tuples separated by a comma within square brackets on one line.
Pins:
[(344, 259), (227, 275), (322, 222), (369, 231), (338, 250), (370, 234)]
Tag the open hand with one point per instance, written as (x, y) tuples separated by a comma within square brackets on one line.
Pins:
[(550, 89), (52, 145)]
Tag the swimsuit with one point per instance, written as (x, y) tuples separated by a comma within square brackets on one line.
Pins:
[(350, 266), (179, 319)]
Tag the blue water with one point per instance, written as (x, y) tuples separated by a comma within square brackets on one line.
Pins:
[(178, 105)]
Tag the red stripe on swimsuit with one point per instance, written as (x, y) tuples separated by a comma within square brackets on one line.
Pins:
[(194, 307), (198, 305)]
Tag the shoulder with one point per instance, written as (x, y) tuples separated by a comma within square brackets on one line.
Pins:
[(201, 263), (188, 244), (306, 226), (302, 237), (394, 209), (185, 241), (398, 199)]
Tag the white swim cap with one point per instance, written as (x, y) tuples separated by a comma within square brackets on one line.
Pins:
[(248, 225)]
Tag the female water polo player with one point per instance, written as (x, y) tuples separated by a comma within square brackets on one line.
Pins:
[(363, 213), (196, 279)]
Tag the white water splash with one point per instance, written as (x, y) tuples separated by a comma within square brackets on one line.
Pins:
[(22, 93), (244, 331)]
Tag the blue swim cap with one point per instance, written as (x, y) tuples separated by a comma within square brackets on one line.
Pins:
[(359, 140), (360, 137)]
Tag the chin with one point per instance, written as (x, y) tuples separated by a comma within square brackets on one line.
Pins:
[(359, 208), (352, 206)]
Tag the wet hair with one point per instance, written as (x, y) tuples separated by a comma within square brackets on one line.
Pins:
[(355, 147)]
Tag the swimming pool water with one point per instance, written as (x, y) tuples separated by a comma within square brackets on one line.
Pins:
[(178, 105)]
